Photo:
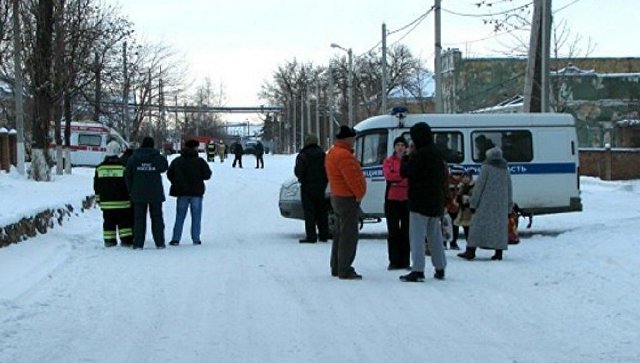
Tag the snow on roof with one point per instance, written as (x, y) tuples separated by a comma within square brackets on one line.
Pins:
[(628, 123)]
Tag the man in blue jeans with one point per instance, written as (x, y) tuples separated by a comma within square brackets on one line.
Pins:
[(187, 174)]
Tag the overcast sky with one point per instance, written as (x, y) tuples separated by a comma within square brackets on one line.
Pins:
[(240, 43)]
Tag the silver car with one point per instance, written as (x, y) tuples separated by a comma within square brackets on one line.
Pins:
[(290, 202)]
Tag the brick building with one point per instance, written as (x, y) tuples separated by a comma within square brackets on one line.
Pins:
[(597, 91)]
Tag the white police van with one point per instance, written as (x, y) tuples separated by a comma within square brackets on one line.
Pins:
[(541, 150)]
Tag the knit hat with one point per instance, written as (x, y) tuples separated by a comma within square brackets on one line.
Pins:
[(147, 142), (494, 153), (421, 134), (192, 144), (310, 139), (345, 132), (401, 140)]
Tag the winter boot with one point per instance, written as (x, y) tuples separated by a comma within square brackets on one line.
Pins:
[(413, 276), (439, 274), (454, 246), (497, 256), (468, 254)]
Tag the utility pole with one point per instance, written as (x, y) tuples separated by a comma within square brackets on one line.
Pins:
[(18, 88), (96, 109), (536, 89), (302, 97), (436, 63), (544, 64), (318, 110), (384, 69), (351, 109), (330, 106), (295, 123), (163, 123), (125, 94)]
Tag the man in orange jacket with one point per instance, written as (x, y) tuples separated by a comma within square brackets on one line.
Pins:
[(348, 186)]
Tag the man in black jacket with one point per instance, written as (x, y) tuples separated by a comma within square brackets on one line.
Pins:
[(237, 151), (187, 174), (113, 198), (144, 182), (259, 150), (313, 180), (424, 167)]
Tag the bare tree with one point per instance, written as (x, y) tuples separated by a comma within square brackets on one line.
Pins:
[(42, 86), (150, 65), (514, 19), (402, 68), (294, 81)]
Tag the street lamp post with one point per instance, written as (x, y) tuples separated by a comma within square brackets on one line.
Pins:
[(349, 80)]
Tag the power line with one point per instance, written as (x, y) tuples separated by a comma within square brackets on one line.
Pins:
[(488, 14), (566, 6), (413, 24)]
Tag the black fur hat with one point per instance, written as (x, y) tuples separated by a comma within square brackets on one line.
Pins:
[(345, 132), (192, 144)]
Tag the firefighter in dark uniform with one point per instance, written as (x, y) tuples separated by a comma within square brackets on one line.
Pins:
[(211, 151), (113, 198)]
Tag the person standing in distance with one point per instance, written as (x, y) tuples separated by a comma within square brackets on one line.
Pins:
[(238, 151), (259, 155), (144, 182), (312, 177), (424, 167), (348, 187), (187, 174)]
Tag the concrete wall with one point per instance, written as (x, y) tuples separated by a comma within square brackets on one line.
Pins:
[(610, 164)]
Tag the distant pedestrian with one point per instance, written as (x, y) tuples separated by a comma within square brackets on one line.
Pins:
[(396, 210), (491, 203), (348, 187), (259, 149), (211, 151), (424, 167), (309, 170), (144, 181), (112, 196), (187, 174), (221, 149), (238, 151)]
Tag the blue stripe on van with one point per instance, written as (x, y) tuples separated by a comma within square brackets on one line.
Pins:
[(376, 174)]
